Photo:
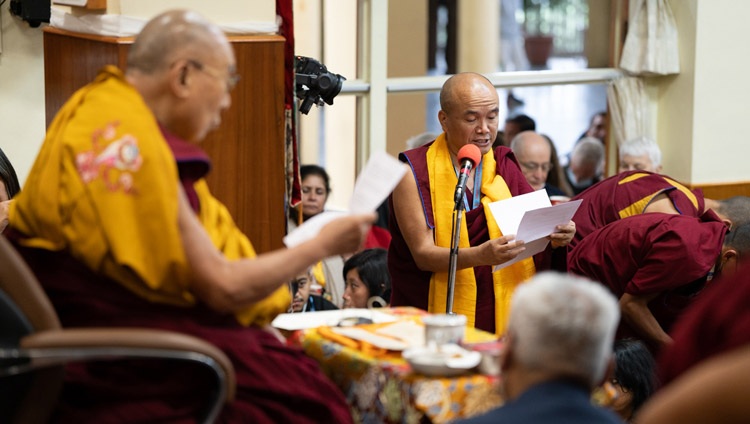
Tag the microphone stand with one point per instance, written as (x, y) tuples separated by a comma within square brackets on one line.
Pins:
[(458, 210)]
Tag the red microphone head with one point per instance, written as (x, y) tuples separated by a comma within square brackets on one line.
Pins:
[(469, 152)]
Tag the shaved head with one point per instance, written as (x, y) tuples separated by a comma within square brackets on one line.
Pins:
[(172, 34), (460, 85)]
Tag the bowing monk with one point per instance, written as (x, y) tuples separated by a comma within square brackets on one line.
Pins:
[(421, 214), (656, 264), (121, 229)]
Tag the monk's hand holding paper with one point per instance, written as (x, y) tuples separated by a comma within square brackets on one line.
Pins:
[(563, 235), (346, 234), (502, 249)]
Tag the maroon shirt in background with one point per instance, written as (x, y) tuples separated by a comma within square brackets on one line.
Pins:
[(718, 322), (411, 286), (652, 253)]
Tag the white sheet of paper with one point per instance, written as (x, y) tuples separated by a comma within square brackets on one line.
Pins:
[(508, 212), (535, 223), (376, 181)]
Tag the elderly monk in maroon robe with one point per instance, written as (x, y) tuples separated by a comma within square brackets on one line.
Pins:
[(421, 214), (655, 264), (118, 223), (720, 320)]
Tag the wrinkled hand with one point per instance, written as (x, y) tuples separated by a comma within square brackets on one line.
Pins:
[(347, 234), (502, 249), (4, 207), (563, 235)]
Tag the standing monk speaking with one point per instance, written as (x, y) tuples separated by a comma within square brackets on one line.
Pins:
[(422, 206)]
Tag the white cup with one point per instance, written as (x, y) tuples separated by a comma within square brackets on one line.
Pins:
[(441, 329)]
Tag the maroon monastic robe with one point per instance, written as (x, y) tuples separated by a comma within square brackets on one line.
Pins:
[(604, 201), (411, 285), (275, 383), (718, 322), (652, 253)]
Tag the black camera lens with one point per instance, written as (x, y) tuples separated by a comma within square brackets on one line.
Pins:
[(314, 84)]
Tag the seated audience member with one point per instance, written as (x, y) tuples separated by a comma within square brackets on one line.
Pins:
[(368, 283), (302, 299), (718, 322), (315, 187), (597, 127), (634, 378), (534, 153), (9, 187), (586, 164), (556, 177), (656, 264), (515, 125), (714, 391), (640, 154), (120, 233), (557, 349)]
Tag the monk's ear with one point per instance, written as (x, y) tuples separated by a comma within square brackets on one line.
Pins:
[(179, 80), (442, 118), (727, 222), (729, 260)]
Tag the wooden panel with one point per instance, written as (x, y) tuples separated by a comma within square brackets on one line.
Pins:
[(72, 60), (724, 190), (247, 150)]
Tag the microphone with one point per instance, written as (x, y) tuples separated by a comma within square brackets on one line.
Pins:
[(468, 157)]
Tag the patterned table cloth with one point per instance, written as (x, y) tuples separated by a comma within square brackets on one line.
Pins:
[(383, 389)]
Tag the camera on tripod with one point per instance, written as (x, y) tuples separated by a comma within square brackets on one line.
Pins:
[(315, 85)]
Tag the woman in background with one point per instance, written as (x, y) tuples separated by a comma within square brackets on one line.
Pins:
[(368, 283), (634, 378)]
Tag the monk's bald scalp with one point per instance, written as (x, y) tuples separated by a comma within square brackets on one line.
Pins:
[(736, 208), (170, 35), (456, 84)]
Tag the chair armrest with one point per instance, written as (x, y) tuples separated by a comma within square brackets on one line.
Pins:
[(133, 338)]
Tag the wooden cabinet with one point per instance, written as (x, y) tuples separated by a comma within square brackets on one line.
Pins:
[(247, 150)]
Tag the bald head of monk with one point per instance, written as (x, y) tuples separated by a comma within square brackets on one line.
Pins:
[(184, 67)]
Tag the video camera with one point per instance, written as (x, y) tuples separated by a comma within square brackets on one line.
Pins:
[(315, 85)]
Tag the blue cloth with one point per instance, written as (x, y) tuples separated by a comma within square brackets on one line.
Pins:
[(554, 402)]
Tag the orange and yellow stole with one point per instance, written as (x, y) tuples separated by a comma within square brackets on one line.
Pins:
[(442, 182)]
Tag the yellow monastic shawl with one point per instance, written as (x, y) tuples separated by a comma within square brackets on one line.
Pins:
[(104, 187), (637, 207), (443, 179)]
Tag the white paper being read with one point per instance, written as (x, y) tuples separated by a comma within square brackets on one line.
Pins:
[(531, 218), (376, 181)]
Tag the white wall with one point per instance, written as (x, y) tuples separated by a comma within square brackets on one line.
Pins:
[(22, 122), (702, 116)]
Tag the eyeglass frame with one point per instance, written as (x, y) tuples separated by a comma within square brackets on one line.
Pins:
[(231, 79), (533, 166)]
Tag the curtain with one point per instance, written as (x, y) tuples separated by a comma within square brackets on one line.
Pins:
[(628, 109), (651, 46)]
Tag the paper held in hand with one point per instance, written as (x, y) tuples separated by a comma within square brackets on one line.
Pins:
[(531, 217), (376, 181)]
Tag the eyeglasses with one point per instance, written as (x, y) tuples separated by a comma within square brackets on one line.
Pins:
[(231, 79), (533, 166)]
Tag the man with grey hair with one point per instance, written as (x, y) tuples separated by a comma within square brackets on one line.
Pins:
[(640, 154), (558, 347), (586, 164)]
